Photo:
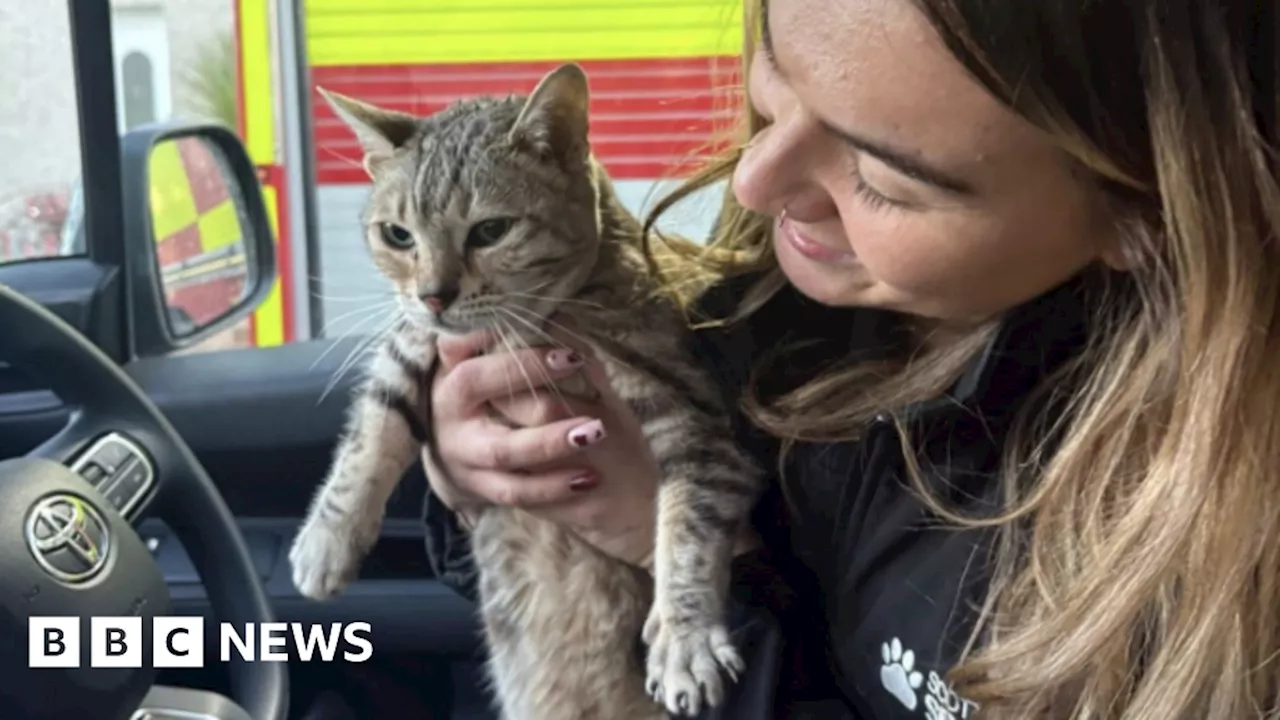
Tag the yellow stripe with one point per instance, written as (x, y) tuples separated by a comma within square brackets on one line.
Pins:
[(173, 207), (268, 319), (172, 279), (255, 59), (392, 32), (260, 130), (220, 227)]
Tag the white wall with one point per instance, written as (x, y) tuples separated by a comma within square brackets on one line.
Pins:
[(39, 132)]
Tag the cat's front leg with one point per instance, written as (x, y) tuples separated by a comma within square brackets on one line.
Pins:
[(707, 490), (384, 435), (704, 502)]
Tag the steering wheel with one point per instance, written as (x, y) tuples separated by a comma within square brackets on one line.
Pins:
[(67, 545)]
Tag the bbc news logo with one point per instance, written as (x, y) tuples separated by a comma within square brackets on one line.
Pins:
[(179, 642)]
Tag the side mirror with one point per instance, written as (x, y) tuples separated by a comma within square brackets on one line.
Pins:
[(199, 249)]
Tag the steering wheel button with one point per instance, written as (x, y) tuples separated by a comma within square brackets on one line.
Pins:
[(93, 473), (129, 485), (111, 455), (119, 497)]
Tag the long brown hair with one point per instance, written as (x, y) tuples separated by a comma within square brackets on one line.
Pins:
[(1138, 572)]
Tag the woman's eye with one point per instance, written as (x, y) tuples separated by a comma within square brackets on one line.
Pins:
[(396, 236), (489, 232)]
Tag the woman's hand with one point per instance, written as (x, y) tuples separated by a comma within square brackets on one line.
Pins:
[(578, 463)]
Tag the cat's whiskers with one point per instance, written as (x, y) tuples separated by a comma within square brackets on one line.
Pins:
[(344, 158), (351, 298), (542, 284), (358, 353), (338, 282), (503, 327), (500, 330), (547, 298), (546, 376), (362, 349), (558, 326), (532, 326), (371, 313), (506, 341), (369, 310), (491, 304)]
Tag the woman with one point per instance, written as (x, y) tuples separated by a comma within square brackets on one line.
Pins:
[(1008, 328)]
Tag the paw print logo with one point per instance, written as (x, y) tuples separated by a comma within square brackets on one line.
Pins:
[(898, 675)]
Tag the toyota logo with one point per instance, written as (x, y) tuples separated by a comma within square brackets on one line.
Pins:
[(68, 537)]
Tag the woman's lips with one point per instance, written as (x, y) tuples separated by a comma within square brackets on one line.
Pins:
[(812, 249)]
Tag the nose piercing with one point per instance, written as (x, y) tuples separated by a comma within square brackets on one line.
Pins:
[(783, 215)]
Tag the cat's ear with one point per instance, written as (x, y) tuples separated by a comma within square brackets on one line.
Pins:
[(380, 132), (554, 120)]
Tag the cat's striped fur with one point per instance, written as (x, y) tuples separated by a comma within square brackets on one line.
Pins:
[(561, 618)]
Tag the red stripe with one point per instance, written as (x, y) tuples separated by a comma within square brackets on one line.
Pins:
[(650, 118), (178, 246), (204, 177)]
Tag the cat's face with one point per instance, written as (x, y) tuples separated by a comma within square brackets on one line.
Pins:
[(484, 214)]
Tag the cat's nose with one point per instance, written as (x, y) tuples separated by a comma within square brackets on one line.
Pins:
[(440, 299)]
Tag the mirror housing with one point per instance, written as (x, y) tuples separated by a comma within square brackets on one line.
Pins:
[(189, 181)]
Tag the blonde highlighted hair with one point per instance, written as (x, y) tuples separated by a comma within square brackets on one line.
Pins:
[(1137, 575)]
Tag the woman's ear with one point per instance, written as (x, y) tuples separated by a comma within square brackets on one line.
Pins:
[(1116, 258), (1128, 230), (1133, 240)]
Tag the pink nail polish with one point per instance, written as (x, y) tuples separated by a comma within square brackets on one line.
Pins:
[(587, 434)]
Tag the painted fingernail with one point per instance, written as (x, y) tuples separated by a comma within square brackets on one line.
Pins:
[(583, 483), (587, 434), (563, 359)]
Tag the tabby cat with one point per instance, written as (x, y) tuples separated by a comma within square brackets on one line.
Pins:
[(492, 214)]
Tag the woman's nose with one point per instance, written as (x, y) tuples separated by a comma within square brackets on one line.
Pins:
[(771, 172), (760, 178)]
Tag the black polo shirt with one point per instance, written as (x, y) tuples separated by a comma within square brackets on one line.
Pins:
[(861, 600)]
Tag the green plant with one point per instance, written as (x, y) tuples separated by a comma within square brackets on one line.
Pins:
[(209, 81)]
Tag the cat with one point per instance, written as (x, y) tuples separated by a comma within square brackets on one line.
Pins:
[(493, 214)]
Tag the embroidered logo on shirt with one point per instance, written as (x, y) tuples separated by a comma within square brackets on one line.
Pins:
[(898, 675), (944, 703)]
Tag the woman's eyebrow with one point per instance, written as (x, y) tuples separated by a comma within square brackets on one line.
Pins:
[(900, 160)]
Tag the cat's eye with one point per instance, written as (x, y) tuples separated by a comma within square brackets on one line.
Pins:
[(396, 236), (489, 232)]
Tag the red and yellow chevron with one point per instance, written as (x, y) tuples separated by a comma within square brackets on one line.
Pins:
[(661, 70), (200, 244)]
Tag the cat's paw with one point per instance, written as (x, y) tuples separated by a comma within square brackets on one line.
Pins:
[(324, 561), (685, 661)]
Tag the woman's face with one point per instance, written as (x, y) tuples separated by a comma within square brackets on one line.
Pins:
[(898, 181)]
